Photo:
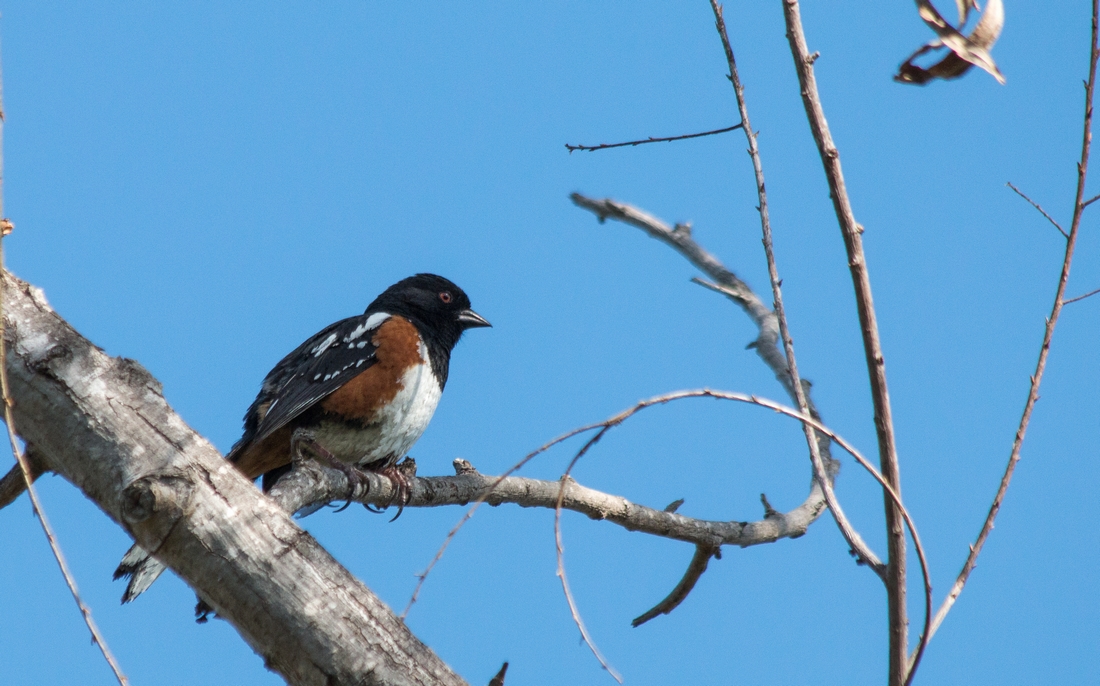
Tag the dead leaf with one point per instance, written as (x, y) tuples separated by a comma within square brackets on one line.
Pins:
[(965, 50)]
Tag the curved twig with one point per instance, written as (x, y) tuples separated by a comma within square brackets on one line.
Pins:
[(27, 469), (696, 567), (559, 548), (311, 484), (421, 577), (618, 419), (855, 541)]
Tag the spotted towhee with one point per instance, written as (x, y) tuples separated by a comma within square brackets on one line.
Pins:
[(361, 391)]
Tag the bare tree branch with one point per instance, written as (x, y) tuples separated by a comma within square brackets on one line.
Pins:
[(607, 146), (463, 467), (311, 484), (813, 441), (694, 571), (1041, 210), (559, 549), (30, 470), (1081, 297), (14, 482), (105, 427), (876, 363), (679, 238), (738, 291), (498, 679), (26, 470), (1048, 335)]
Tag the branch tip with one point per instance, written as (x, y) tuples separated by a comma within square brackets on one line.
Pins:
[(769, 511), (463, 467), (695, 570), (498, 680)]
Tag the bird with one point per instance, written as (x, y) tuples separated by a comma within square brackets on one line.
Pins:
[(361, 391)]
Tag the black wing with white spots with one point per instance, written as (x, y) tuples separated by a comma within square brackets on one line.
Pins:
[(312, 371)]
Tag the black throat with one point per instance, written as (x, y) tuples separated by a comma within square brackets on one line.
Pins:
[(439, 351)]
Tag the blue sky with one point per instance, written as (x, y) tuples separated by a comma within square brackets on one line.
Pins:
[(200, 186)]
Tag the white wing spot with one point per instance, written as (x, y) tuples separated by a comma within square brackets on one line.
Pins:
[(324, 345), (372, 322)]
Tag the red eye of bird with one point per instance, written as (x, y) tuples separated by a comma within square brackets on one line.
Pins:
[(445, 296)]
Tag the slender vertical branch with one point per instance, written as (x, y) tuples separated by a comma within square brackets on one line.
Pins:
[(1048, 334), (30, 471), (813, 441), (876, 364)]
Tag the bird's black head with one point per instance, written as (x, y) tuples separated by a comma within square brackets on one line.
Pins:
[(439, 308)]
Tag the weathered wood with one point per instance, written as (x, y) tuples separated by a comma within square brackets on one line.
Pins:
[(103, 424)]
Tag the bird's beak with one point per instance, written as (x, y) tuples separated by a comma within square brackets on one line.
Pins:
[(472, 320)]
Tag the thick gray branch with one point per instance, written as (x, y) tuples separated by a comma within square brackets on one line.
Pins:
[(102, 423)]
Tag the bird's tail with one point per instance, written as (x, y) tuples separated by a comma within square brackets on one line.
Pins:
[(141, 568)]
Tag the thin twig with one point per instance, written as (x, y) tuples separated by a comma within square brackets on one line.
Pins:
[(1041, 210), (310, 484), (25, 465), (618, 419), (1081, 297), (1090, 201), (698, 565), (1048, 335), (855, 541), (872, 345), (423, 576), (560, 549), (679, 239), (607, 146)]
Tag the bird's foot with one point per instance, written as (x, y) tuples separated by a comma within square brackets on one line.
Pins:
[(303, 440), (399, 476), (203, 611)]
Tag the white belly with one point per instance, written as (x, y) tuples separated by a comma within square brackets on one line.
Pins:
[(395, 428)]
